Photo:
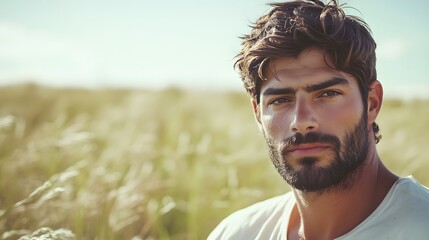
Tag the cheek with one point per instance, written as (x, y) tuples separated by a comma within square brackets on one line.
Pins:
[(345, 115), (267, 124), (275, 125)]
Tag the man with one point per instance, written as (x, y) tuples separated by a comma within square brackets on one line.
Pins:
[(310, 72)]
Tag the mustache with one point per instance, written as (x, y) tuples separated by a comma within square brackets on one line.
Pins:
[(311, 137)]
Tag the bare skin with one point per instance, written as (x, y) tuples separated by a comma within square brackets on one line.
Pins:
[(289, 106)]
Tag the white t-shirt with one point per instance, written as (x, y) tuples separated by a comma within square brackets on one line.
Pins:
[(403, 214)]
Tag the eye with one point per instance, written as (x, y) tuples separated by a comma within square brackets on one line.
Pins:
[(279, 101), (330, 93)]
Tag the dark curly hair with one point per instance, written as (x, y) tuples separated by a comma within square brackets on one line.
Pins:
[(292, 27)]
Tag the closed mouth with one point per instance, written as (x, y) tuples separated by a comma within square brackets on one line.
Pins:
[(308, 148)]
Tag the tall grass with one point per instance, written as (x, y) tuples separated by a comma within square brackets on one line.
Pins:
[(123, 164)]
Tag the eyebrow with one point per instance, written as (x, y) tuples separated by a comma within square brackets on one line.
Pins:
[(309, 88), (326, 84)]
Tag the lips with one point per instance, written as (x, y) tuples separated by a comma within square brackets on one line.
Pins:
[(308, 149)]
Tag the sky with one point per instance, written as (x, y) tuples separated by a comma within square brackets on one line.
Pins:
[(187, 43)]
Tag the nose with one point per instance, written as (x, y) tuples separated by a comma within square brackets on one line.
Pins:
[(304, 118)]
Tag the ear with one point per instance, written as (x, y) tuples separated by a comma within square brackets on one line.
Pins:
[(256, 112), (375, 99)]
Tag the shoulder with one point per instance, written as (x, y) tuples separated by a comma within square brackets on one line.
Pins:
[(403, 214), (248, 222), (412, 199), (411, 193), (407, 214), (411, 185)]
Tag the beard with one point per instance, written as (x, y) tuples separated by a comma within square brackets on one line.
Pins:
[(339, 174)]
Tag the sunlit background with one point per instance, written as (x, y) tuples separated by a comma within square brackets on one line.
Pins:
[(118, 137), (188, 43)]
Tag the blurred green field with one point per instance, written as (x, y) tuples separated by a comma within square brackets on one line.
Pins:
[(170, 164)]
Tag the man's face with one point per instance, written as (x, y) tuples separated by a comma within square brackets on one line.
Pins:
[(314, 122)]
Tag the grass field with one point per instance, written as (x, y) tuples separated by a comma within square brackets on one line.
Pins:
[(123, 164)]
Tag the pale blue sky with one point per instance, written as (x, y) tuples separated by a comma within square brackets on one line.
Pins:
[(187, 43)]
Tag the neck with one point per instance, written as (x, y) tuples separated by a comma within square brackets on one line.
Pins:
[(333, 213)]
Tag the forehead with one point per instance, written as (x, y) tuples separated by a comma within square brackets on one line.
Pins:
[(309, 58), (310, 66)]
